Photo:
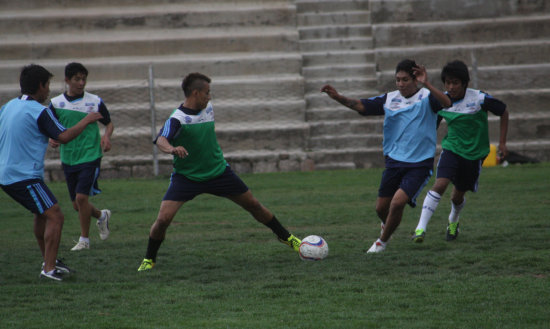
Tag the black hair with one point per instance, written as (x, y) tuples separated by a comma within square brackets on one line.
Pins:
[(73, 69), (192, 82), (32, 77), (407, 65), (456, 69)]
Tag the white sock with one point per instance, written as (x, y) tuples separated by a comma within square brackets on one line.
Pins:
[(102, 216), (428, 208), (455, 211), (87, 240)]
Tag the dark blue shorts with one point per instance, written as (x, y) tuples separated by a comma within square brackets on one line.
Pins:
[(82, 178), (184, 189), (410, 179), (32, 194), (463, 173)]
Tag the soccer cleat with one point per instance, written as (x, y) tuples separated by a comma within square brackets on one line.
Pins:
[(146, 265), (452, 231), (55, 275), (419, 235), (103, 225), (62, 267), (377, 246), (293, 242), (81, 245)]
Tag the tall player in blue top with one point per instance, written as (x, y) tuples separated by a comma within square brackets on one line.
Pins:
[(25, 126), (410, 122)]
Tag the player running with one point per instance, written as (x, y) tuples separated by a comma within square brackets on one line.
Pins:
[(199, 167), (26, 127), (81, 158), (410, 119), (464, 147)]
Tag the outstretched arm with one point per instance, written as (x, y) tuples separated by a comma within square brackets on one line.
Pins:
[(354, 104), (422, 77)]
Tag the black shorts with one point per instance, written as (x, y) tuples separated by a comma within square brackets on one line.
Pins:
[(32, 194), (183, 189), (410, 179), (463, 173), (82, 178)]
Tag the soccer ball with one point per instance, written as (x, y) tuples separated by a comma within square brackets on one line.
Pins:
[(313, 247)]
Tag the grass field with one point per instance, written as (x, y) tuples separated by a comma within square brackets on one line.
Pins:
[(218, 268)]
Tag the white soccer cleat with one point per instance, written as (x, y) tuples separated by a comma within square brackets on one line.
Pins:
[(376, 247), (81, 245), (103, 226)]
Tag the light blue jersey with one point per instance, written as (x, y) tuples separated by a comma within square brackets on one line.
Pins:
[(23, 140), (409, 124), (409, 127)]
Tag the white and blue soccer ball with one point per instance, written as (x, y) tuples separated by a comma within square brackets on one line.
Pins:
[(313, 247)]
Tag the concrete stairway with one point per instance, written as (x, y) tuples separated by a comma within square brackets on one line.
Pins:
[(506, 46), (248, 47), (268, 60), (336, 45)]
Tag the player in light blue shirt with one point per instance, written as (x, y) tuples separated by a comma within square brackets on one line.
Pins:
[(25, 126), (410, 122)]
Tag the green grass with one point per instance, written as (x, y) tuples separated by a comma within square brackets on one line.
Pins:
[(218, 268)]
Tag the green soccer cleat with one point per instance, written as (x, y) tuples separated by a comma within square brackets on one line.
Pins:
[(452, 231), (419, 235), (293, 242), (146, 265)]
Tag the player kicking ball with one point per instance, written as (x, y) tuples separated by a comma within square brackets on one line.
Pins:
[(464, 147), (199, 167)]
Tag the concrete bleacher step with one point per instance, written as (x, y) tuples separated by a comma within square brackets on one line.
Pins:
[(334, 18), (153, 4), (364, 70), (462, 31), (223, 88), (344, 141), (331, 32), (485, 54), (324, 6), (320, 45), (150, 43), (491, 77), (323, 57), (268, 136), (354, 82), (400, 11), (166, 66), (170, 16)]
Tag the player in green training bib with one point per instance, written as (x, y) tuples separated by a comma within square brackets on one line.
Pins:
[(464, 147), (199, 167), (81, 158)]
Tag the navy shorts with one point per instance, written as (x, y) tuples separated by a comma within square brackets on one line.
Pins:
[(183, 189), (410, 179), (82, 178), (463, 173), (32, 194)]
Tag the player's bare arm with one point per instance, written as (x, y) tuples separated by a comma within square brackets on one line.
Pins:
[(421, 76), (164, 145), (353, 104), (70, 134), (106, 139)]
